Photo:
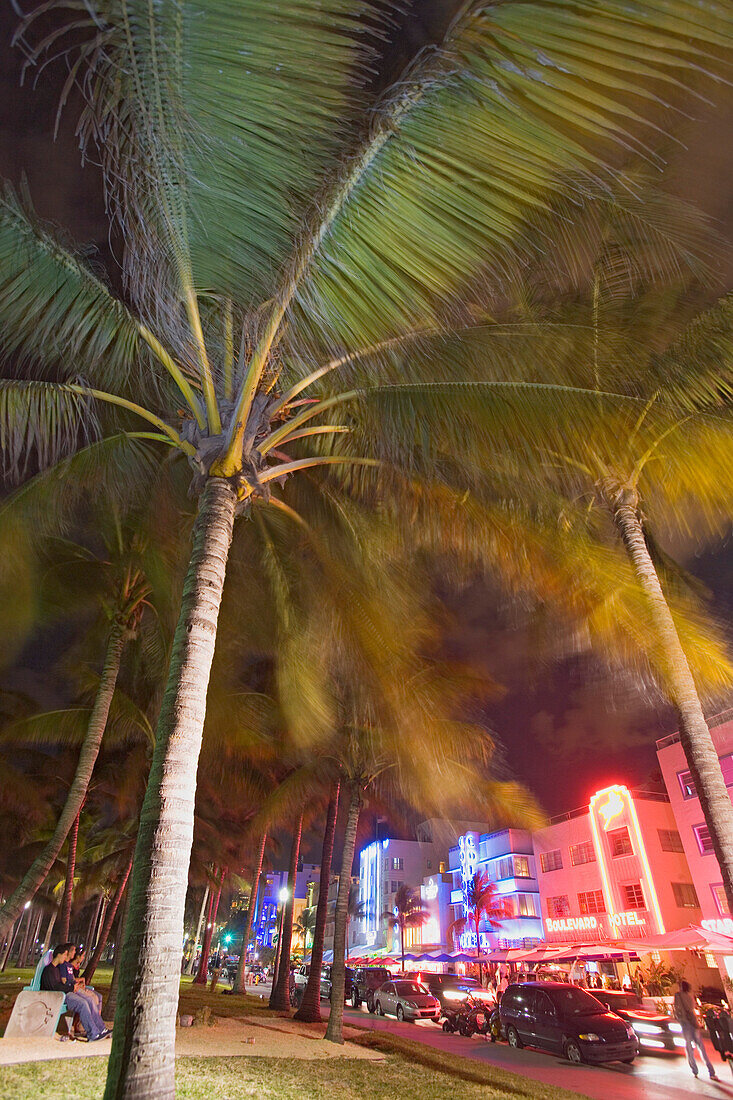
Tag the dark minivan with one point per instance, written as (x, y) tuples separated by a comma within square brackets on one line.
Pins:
[(566, 1020)]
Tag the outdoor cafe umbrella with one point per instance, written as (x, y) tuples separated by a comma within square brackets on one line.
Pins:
[(684, 939)]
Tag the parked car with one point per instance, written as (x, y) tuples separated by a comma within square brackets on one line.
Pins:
[(567, 1020), (365, 981), (452, 989), (654, 1030), (326, 983), (406, 1000)]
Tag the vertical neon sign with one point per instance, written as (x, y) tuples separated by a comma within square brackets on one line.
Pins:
[(610, 805)]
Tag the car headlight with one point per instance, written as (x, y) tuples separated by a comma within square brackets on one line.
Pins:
[(454, 995), (646, 1029), (590, 1037), (410, 1004), (676, 1028)]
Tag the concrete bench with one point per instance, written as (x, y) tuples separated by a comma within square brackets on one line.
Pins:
[(35, 1013)]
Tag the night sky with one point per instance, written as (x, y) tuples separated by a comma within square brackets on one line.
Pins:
[(606, 727)]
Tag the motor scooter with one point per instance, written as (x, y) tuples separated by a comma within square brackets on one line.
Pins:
[(467, 1018)]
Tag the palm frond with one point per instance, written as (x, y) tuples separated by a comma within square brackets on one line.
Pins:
[(41, 423), (54, 310), (479, 138)]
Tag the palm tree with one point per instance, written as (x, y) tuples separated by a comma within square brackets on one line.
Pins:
[(407, 912), (305, 927), (355, 910), (309, 1009), (117, 585), (256, 268), (483, 903)]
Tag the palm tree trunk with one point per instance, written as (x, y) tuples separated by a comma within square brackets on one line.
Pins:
[(107, 925), (238, 986), (192, 960), (14, 931), (280, 998), (200, 978), (335, 1029), (700, 752), (41, 866), (49, 930), (89, 941), (402, 944), (26, 939), (32, 942), (141, 1062), (69, 884), (310, 1006), (111, 1002)]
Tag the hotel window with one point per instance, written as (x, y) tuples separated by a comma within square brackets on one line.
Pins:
[(685, 896), (395, 886), (551, 861), (398, 863), (524, 905), (521, 867), (620, 842), (703, 838), (720, 899), (688, 786), (559, 906), (582, 853), (591, 902), (633, 896), (670, 840)]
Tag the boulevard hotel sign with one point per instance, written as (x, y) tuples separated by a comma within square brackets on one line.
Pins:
[(610, 811)]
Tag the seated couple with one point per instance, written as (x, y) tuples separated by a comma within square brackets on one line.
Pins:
[(57, 977)]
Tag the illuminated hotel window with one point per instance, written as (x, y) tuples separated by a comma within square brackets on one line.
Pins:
[(521, 867), (551, 861), (670, 840), (620, 842), (704, 840), (685, 896), (524, 905), (633, 895), (582, 853), (591, 902), (720, 899), (559, 906), (688, 786), (398, 864)]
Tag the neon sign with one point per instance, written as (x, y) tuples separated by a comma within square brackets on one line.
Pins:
[(624, 920), (612, 808), (612, 803), (570, 924), (469, 863), (720, 924), (431, 890)]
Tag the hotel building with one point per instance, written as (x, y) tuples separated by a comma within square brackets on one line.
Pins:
[(694, 835)]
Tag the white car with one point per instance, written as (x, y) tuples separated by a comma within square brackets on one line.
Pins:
[(406, 1000)]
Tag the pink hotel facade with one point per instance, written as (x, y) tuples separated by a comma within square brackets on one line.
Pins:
[(694, 835)]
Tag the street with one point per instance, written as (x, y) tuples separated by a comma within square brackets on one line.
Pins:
[(651, 1077)]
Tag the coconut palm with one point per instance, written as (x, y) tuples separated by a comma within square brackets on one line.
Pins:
[(407, 912), (484, 902), (650, 471), (265, 249), (305, 927)]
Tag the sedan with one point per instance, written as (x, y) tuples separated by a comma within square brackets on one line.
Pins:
[(407, 1001), (654, 1030)]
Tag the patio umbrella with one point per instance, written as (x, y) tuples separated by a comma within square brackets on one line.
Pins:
[(682, 939), (587, 952), (504, 954)]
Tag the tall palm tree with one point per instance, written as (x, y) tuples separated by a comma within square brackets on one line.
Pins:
[(264, 250), (407, 912), (355, 910), (305, 927), (115, 583), (309, 1009)]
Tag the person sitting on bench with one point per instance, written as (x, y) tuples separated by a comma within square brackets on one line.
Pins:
[(53, 980)]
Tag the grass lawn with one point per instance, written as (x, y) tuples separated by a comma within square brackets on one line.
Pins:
[(271, 1079)]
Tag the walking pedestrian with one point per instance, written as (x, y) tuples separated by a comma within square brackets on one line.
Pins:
[(684, 1010)]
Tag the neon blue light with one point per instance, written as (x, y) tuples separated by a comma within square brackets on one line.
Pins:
[(385, 844)]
